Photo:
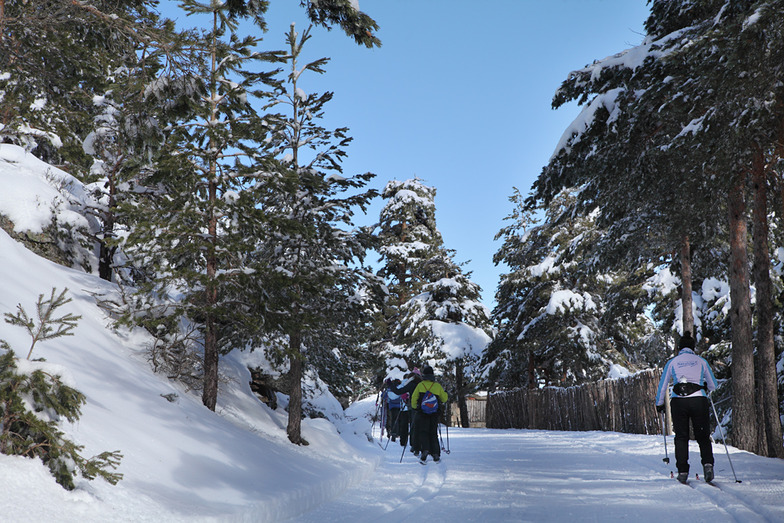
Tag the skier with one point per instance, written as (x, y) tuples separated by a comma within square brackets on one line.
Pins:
[(393, 402), (692, 380), (406, 421), (422, 399)]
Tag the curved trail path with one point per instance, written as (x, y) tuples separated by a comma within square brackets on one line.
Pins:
[(526, 475)]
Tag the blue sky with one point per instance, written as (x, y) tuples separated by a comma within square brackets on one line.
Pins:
[(459, 95)]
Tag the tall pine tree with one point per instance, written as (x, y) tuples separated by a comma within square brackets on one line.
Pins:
[(314, 299), (197, 212)]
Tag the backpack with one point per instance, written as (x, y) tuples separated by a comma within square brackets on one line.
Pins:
[(429, 402)]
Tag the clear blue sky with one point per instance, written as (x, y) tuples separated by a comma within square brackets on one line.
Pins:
[(459, 95)]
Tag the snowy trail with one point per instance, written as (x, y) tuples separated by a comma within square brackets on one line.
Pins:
[(520, 475)]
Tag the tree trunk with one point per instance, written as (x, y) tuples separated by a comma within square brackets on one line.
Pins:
[(531, 370), (106, 253), (461, 401), (294, 427), (210, 389), (686, 298), (744, 422), (211, 357), (770, 435)]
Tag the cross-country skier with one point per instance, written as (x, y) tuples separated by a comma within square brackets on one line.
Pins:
[(394, 403), (692, 380), (427, 418), (406, 421)]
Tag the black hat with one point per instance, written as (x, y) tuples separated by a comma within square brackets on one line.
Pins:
[(686, 341), (427, 372)]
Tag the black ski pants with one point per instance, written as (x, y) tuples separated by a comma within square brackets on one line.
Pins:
[(427, 433), (403, 424), (695, 409), (393, 418)]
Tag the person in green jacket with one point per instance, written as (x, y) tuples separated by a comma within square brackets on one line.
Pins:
[(429, 408)]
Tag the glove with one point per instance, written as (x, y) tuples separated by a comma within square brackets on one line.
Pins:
[(660, 408)]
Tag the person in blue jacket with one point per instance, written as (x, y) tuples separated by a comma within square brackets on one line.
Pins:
[(394, 404), (692, 380), (406, 421)]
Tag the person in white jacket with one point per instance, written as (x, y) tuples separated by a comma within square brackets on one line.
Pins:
[(692, 380)]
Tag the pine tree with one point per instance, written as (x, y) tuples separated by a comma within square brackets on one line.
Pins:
[(452, 324), (52, 93), (557, 316), (49, 82), (663, 125), (312, 294), (196, 214), (142, 98), (408, 238), (33, 400), (47, 327)]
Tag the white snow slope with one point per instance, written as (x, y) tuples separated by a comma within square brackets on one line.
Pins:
[(183, 462)]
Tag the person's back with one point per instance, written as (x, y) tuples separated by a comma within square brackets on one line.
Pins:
[(425, 393), (692, 379)]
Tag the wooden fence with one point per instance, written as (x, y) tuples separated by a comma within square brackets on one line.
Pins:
[(476, 412), (617, 405)]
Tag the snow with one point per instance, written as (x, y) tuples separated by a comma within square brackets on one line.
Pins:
[(28, 195), (529, 475), (182, 462), (564, 300), (460, 339)]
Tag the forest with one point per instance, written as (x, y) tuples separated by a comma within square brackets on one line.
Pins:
[(218, 204)]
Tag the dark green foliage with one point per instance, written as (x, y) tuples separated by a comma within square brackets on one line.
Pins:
[(355, 24), (34, 433), (561, 320), (57, 55), (32, 402), (429, 293)]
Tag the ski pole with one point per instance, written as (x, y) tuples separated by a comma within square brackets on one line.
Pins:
[(375, 417), (666, 458), (447, 439), (404, 450), (394, 426), (718, 424), (441, 438)]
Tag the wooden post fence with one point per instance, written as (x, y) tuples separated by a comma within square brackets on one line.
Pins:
[(617, 405)]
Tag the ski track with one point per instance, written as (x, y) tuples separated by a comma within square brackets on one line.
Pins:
[(521, 476), (720, 493)]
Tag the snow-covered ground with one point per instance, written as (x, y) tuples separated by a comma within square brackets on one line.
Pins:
[(183, 462), (527, 475)]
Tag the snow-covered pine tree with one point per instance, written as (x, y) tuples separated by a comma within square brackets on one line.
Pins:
[(433, 314), (57, 58), (559, 320), (34, 398), (54, 57), (313, 293), (141, 99), (196, 218), (696, 140), (450, 326), (408, 238)]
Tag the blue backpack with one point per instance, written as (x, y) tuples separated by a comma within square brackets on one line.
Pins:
[(429, 402)]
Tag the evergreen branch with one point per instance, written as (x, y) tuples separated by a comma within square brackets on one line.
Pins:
[(48, 327)]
